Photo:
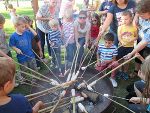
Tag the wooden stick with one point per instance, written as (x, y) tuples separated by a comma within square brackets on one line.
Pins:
[(103, 70), (33, 76), (63, 85), (115, 102), (115, 69), (53, 109), (46, 66), (33, 71)]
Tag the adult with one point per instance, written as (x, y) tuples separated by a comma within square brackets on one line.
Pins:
[(143, 11), (82, 32), (113, 18), (45, 13), (105, 6)]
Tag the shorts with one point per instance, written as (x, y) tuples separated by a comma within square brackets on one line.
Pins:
[(144, 53), (122, 51)]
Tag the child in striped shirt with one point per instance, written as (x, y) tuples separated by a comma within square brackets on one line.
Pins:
[(106, 56), (68, 36), (54, 37)]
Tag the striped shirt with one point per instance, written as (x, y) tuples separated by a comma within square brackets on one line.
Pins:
[(45, 13), (68, 32), (107, 53), (55, 38)]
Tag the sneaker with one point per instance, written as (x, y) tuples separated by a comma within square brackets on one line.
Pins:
[(125, 76), (114, 83)]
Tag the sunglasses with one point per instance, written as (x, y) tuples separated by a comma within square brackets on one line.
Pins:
[(80, 17), (94, 20)]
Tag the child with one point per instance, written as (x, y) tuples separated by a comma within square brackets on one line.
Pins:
[(68, 36), (54, 37), (3, 43), (12, 12), (142, 89), (127, 34), (95, 24), (106, 56), (20, 41), (36, 46), (9, 103)]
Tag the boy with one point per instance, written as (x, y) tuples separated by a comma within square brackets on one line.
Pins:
[(13, 103), (127, 34), (20, 41), (4, 49), (106, 56), (36, 44), (54, 37)]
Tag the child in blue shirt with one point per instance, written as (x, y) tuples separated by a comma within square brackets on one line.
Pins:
[(54, 37), (20, 41), (106, 56), (13, 103)]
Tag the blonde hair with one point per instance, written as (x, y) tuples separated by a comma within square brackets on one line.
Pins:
[(53, 22), (19, 19), (8, 69), (68, 13)]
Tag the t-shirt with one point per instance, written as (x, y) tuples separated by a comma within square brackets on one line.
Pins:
[(144, 30), (68, 32), (82, 32), (127, 33), (44, 12), (117, 14), (3, 44), (24, 43), (105, 6), (107, 53), (55, 38), (18, 104), (94, 31)]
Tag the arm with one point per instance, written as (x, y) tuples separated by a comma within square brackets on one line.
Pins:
[(40, 17), (105, 25), (32, 30), (87, 37), (103, 12), (3, 54), (141, 100), (18, 51), (76, 35), (39, 46), (37, 107), (139, 47), (119, 34), (135, 20)]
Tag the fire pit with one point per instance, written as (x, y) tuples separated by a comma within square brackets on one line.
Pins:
[(104, 86)]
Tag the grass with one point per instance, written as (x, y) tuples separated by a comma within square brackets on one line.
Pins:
[(9, 28)]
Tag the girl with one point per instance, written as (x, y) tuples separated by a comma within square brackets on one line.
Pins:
[(68, 36), (82, 32), (142, 103), (95, 24)]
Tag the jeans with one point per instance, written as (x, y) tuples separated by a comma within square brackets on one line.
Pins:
[(70, 52), (56, 56), (116, 41), (81, 41), (41, 36)]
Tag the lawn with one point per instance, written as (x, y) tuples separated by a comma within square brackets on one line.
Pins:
[(9, 28)]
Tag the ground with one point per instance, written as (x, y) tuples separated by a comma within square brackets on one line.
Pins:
[(24, 89)]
